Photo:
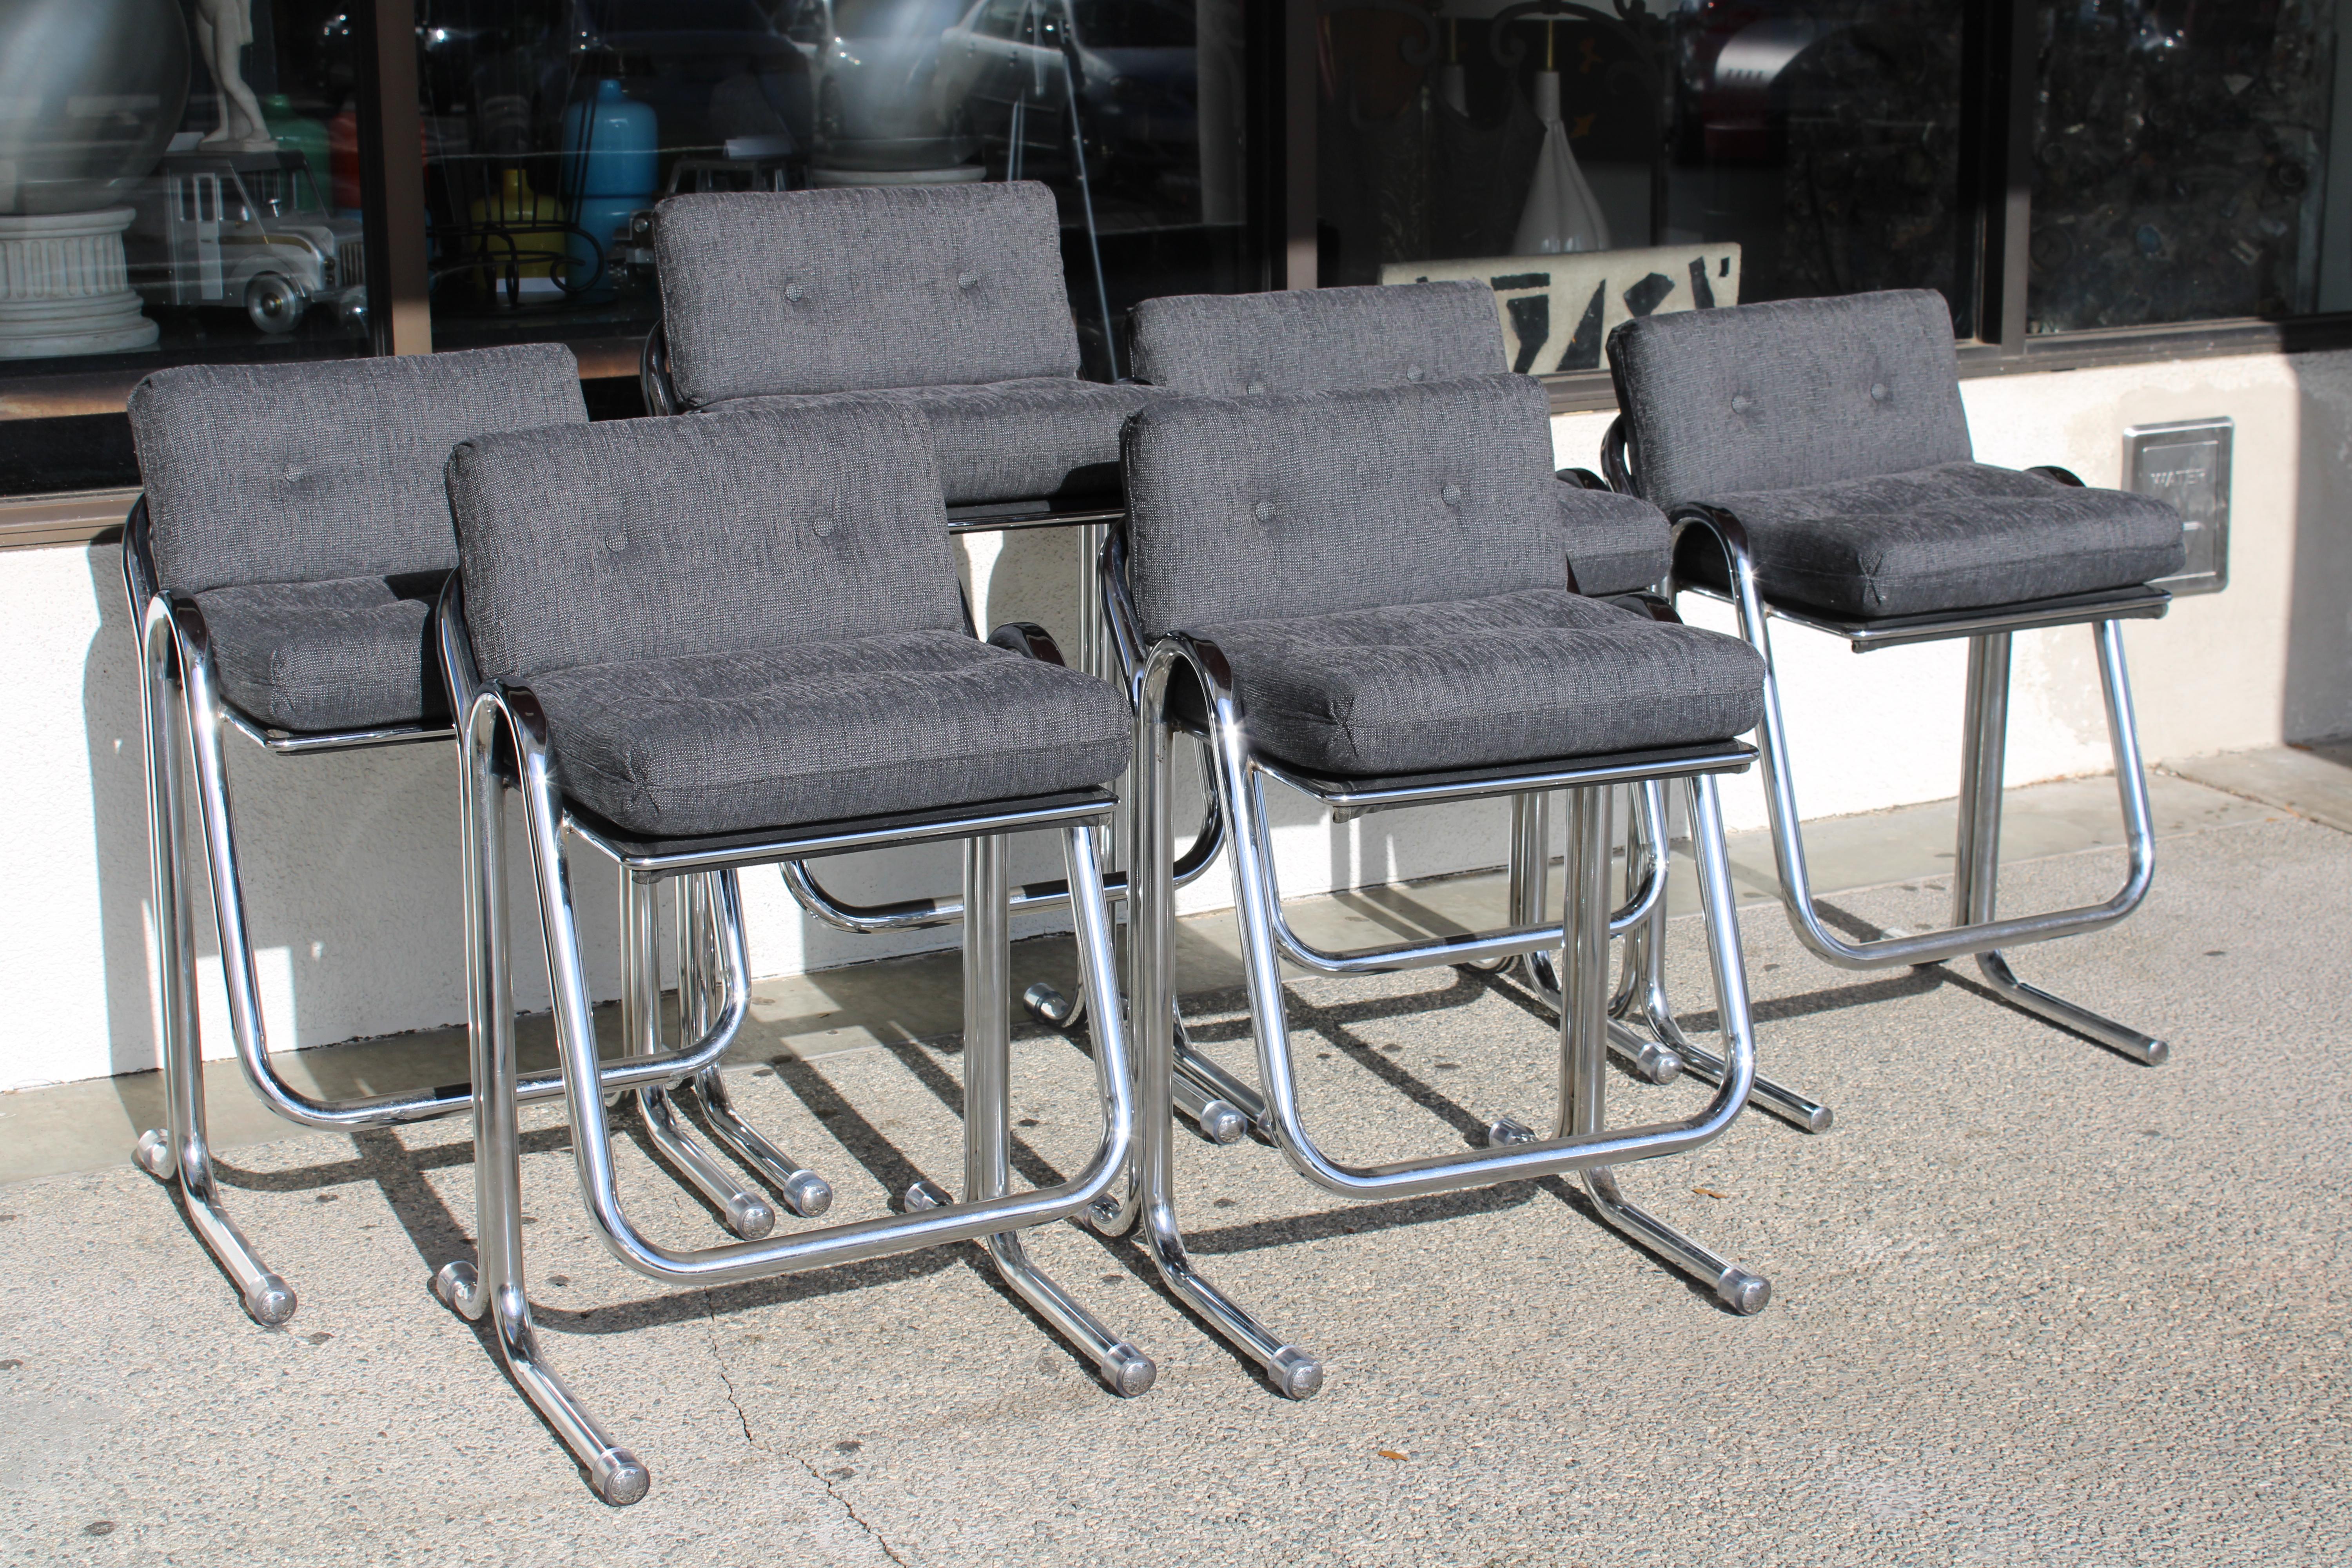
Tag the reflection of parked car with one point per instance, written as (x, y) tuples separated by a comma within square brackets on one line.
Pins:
[(874, 59), (1136, 76), (243, 229)]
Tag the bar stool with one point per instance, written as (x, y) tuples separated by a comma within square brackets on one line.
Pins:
[(695, 645), (947, 300), (1360, 595), (282, 569), (1815, 459), (1331, 340)]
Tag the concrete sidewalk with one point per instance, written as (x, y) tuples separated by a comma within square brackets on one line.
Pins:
[(2035, 1304)]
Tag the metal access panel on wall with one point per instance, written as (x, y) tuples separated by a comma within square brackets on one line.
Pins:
[(2186, 462)]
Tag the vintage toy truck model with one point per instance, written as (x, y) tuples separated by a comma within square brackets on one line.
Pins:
[(244, 229)]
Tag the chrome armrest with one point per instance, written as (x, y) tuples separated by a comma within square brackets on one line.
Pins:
[(652, 374), (1614, 458)]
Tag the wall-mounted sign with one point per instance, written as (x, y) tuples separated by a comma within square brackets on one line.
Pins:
[(1557, 311), (2186, 462)]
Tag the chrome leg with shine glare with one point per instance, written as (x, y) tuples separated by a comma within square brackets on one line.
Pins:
[(1977, 861), (747, 1213), (1642, 998), (987, 1108), (180, 1152), (1584, 1021), (712, 936), (492, 1286)]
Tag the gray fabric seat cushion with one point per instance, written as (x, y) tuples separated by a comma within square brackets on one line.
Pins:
[(1009, 440), (1319, 340), (728, 743), (1518, 676), (1952, 537), (352, 653), (1257, 507), (768, 293)]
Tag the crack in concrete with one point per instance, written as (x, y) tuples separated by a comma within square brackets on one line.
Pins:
[(710, 1321)]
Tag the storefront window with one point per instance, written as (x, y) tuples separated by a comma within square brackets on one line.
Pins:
[(2180, 161), (553, 126), (1718, 151), (177, 182)]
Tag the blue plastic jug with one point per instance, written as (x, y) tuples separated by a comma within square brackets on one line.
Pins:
[(612, 162)]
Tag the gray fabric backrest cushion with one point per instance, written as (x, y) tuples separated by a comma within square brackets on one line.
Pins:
[(1319, 340), (647, 539), (310, 473), (1794, 392), (847, 290), (1247, 509)]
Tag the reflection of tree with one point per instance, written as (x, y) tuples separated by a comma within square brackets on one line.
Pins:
[(2179, 161), (1869, 183)]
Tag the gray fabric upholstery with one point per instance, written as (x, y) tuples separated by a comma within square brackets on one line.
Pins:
[(1252, 508), (1011, 440), (1956, 536), (318, 471), (1613, 547), (897, 721), (1333, 340), (1319, 340), (836, 290), (655, 538), (351, 654), (750, 619), (1794, 392), (1468, 683)]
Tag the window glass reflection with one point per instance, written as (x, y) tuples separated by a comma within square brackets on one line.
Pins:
[(174, 183), (2180, 155), (1747, 149), (553, 125)]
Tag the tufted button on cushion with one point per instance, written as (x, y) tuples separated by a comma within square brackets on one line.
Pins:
[(1414, 372), (618, 544), (1878, 392), (1265, 511), (1452, 494), (821, 528), (793, 291), (1256, 387), (1742, 403), (968, 280)]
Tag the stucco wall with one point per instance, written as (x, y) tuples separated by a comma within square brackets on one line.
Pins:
[(352, 872)]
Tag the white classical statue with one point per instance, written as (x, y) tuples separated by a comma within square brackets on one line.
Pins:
[(223, 29)]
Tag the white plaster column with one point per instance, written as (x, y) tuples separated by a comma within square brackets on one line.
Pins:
[(65, 288)]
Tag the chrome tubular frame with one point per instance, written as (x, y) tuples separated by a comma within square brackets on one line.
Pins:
[(1976, 930), (1580, 1142), (507, 722), (182, 708)]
